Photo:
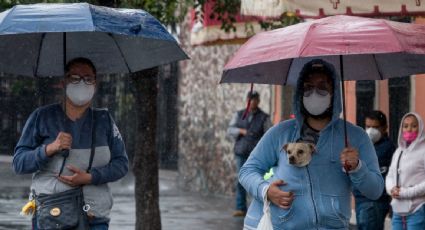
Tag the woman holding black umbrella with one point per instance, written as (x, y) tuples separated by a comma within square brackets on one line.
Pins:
[(72, 147)]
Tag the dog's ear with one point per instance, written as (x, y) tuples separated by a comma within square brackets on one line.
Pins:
[(285, 147), (312, 147)]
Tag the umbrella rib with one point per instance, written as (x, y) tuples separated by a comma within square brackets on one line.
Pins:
[(287, 73), (303, 47), (122, 54), (377, 67), (38, 56)]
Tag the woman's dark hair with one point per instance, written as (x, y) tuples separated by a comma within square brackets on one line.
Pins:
[(378, 116), (80, 60)]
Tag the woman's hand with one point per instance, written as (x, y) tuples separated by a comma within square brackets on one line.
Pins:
[(63, 141), (395, 192), (278, 197), (79, 178)]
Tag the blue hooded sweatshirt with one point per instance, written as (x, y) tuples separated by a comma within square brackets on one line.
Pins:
[(322, 190)]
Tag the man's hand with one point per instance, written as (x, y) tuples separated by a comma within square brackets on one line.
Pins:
[(63, 141), (79, 178), (279, 197), (349, 158), (395, 192), (243, 132)]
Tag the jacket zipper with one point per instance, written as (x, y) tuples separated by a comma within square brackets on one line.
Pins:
[(312, 198)]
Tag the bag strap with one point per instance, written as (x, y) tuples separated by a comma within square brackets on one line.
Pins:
[(93, 141), (397, 183), (266, 202), (65, 153)]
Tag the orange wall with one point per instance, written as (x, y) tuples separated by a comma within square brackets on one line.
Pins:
[(350, 101), (420, 86), (420, 94), (277, 108), (383, 97)]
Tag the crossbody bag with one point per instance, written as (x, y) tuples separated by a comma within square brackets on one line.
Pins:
[(65, 210)]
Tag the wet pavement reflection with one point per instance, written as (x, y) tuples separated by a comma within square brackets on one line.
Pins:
[(180, 210)]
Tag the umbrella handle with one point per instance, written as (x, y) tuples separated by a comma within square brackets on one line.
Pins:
[(344, 112), (347, 167), (248, 105)]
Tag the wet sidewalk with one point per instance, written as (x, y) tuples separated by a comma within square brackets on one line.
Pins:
[(180, 210)]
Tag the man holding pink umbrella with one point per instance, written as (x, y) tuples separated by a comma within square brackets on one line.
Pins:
[(316, 196)]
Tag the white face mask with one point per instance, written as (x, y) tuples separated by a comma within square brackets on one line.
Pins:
[(374, 134), (316, 104), (80, 93)]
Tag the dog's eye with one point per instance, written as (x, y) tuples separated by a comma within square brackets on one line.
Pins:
[(299, 152)]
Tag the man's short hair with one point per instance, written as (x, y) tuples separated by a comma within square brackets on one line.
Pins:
[(80, 60), (378, 116), (253, 95)]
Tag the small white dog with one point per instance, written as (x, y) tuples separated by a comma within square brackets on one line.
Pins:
[(300, 153)]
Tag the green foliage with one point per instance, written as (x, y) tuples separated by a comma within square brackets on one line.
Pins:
[(18, 86), (169, 12), (224, 11), (286, 19)]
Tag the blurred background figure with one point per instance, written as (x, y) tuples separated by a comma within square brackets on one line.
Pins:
[(246, 131), (370, 214)]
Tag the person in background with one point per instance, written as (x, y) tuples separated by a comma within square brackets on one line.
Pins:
[(54, 128), (370, 214), (246, 132), (405, 181)]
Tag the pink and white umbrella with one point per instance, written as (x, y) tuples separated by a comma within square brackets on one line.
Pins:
[(360, 48), (369, 49)]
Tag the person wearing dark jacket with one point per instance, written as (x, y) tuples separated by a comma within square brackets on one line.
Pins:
[(370, 214), (247, 132)]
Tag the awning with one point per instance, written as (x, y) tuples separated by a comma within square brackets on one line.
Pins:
[(323, 8), (207, 31)]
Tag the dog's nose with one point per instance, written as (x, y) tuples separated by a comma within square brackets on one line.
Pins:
[(291, 160)]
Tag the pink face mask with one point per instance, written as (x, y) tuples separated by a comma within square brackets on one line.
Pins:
[(410, 136)]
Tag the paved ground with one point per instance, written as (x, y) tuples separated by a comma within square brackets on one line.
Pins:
[(180, 210)]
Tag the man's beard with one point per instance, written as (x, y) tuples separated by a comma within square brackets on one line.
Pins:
[(325, 115)]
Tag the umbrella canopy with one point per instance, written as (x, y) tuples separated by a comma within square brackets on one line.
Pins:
[(36, 40), (369, 49)]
